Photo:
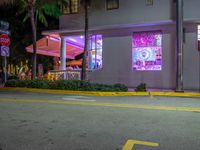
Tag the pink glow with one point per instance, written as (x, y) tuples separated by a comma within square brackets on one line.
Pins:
[(147, 51)]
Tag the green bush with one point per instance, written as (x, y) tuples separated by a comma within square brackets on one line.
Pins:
[(66, 85), (86, 86), (22, 83), (141, 87), (52, 85), (12, 83), (120, 87), (12, 77), (37, 83)]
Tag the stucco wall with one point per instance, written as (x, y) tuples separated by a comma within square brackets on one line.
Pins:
[(117, 60), (191, 10), (117, 52), (129, 12), (191, 67)]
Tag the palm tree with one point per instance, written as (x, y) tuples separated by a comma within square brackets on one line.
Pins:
[(86, 5), (36, 9)]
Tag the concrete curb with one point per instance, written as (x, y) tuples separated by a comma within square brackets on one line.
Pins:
[(91, 93)]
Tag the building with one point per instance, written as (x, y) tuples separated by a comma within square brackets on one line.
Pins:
[(134, 41)]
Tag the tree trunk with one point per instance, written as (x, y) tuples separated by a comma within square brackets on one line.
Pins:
[(31, 15), (83, 71)]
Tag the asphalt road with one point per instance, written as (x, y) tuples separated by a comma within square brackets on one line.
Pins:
[(35, 121)]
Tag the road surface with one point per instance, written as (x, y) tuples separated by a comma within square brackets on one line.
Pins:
[(36, 121)]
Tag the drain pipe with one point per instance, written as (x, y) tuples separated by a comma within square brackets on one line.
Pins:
[(199, 71), (179, 40)]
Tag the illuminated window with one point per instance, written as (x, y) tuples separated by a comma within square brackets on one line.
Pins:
[(112, 4), (198, 34), (95, 52), (147, 51), (71, 8)]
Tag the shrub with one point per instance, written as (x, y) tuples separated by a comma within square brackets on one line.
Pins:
[(76, 84), (66, 85), (86, 86), (37, 83), (22, 83), (11, 83), (141, 87), (120, 87), (11, 77), (52, 85)]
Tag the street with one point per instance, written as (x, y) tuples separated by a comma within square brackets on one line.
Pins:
[(37, 121)]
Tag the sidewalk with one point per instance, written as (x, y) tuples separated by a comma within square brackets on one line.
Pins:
[(94, 93)]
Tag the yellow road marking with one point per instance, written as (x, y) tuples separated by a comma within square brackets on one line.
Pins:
[(115, 105), (130, 144)]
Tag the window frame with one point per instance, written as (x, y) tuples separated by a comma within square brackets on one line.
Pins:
[(112, 7), (96, 50), (70, 8)]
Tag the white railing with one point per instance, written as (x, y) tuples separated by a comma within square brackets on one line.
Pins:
[(59, 74)]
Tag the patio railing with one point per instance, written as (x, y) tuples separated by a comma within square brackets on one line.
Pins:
[(59, 74)]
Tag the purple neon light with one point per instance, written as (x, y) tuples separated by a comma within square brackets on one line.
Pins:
[(72, 40)]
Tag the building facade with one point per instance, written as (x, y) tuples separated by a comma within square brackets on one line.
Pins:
[(134, 41)]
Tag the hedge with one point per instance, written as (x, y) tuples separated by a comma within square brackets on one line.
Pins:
[(66, 85)]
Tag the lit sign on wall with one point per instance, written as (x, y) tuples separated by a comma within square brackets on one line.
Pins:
[(147, 51)]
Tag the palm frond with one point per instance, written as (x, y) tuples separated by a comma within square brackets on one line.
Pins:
[(42, 18), (26, 17), (23, 7), (3, 2), (51, 10)]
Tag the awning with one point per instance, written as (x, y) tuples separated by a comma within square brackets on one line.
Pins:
[(50, 46)]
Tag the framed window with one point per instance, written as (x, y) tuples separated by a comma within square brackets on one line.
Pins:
[(112, 4), (71, 8), (149, 2), (147, 51), (95, 52)]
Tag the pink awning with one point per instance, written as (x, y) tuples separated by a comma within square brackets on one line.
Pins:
[(50, 46)]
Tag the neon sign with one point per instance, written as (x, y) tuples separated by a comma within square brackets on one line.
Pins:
[(147, 51)]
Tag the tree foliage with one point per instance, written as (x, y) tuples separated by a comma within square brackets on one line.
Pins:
[(21, 35), (35, 9)]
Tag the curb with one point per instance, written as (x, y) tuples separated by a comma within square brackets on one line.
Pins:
[(175, 94), (91, 93)]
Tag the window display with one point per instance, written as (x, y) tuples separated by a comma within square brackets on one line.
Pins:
[(147, 51), (198, 36)]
